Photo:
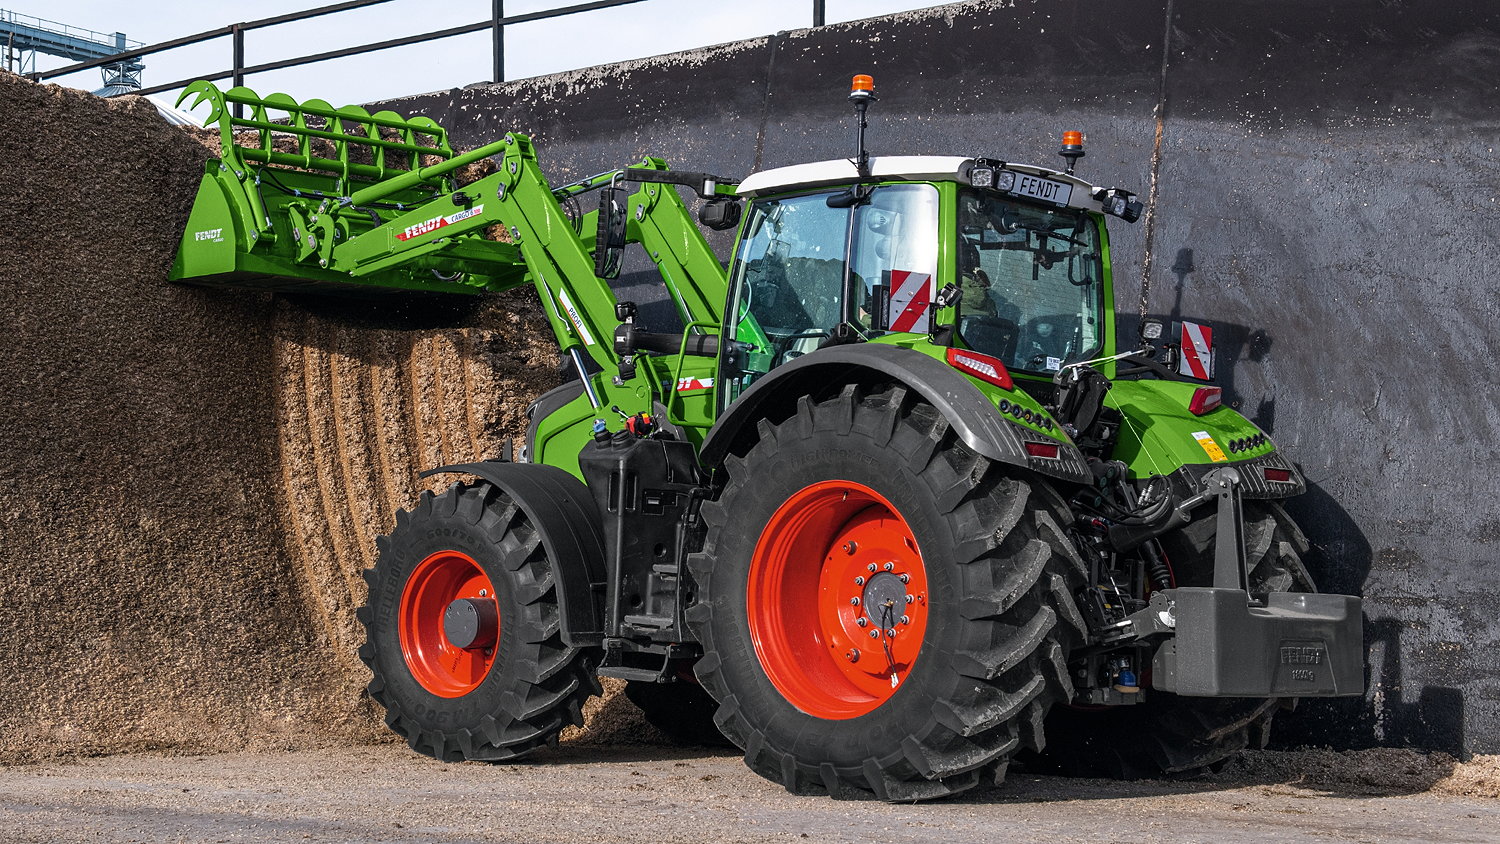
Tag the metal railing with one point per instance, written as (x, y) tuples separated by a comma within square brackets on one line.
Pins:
[(496, 23)]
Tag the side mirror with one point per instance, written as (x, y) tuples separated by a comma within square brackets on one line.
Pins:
[(720, 214)]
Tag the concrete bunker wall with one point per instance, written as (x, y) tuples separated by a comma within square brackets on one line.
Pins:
[(1324, 177)]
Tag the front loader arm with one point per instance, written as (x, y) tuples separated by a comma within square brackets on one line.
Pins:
[(554, 250)]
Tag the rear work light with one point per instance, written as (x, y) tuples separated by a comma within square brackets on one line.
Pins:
[(1205, 399), (983, 367), (1283, 476)]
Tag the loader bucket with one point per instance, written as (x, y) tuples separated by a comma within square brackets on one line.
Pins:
[(287, 169)]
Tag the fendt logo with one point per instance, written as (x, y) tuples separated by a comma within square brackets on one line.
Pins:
[(216, 235), (1302, 656), (436, 223)]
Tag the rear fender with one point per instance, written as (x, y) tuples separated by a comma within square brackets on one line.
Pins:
[(973, 416), (1162, 436), (563, 512)]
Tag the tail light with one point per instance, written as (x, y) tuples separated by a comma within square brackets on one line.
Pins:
[(1283, 476), (1205, 399), (983, 367), (1047, 450)]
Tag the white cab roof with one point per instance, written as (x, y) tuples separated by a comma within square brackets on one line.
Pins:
[(915, 168), (892, 167)]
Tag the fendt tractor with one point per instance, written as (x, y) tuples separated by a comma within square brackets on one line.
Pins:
[(888, 510)]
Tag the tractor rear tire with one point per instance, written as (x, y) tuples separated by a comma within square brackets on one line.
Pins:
[(1171, 736), (462, 631), (683, 711), (868, 508)]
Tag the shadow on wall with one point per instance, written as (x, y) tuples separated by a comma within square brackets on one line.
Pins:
[(1341, 563)]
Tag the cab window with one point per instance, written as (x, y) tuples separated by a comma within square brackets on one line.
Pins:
[(1031, 282), (788, 283)]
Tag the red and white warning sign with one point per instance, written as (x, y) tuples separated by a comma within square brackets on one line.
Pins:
[(1197, 359), (690, 384), (911, 300), (428, 226)]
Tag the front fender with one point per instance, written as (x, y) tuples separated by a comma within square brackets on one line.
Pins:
[(564, 514)]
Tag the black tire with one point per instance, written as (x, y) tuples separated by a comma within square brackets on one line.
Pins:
[(1000, 623), (1171, 736), (683, 711), (535, 685)]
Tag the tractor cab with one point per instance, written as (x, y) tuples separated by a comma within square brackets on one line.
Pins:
[(1006, 260)]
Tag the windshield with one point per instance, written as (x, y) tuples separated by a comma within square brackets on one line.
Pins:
[(1032, 282)]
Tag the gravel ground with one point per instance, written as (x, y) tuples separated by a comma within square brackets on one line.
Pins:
[(660, 794)]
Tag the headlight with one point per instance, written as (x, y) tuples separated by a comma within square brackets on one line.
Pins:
[(982, 177), (1005, 180)]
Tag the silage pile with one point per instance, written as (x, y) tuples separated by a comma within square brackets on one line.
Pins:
[(197, 476)]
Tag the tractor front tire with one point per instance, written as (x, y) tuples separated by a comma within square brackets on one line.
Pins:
[(462, 631), (1168, 735), (882, 611)]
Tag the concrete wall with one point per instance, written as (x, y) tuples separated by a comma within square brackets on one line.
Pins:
[(1324, 176)]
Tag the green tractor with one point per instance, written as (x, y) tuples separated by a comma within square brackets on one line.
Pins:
[(891, 509)]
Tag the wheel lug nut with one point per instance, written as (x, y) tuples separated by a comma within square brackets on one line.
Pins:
[(906, 578), (874, 634), (906, 619), (850, 547), (889, 566), (854, 602), (871, 567), (891, 632), (484, 593), (852, 655), (910, 599), (861, 621), (859, 581)]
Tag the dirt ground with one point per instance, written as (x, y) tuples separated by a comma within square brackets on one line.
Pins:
[(652, 793)]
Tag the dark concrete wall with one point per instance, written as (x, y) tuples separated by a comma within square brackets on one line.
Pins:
[(1325, 180)]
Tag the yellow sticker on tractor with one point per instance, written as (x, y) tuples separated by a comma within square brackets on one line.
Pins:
[(1215, 453)]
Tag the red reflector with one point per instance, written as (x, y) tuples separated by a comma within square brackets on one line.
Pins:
[(1205, 399), (1281, 475), (1048, 450), (983, 367)]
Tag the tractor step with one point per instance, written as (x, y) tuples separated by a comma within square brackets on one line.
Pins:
[(622, 672), (654, 622)]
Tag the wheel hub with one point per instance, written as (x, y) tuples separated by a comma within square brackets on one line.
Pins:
[(471, 623), (884, 600)]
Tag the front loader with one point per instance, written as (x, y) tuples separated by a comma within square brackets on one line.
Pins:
[(892, 508)]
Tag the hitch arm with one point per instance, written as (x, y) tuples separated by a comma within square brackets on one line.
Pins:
[(1229, 534)]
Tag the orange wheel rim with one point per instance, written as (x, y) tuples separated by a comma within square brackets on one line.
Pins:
[(449, 624), (837, 600)]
